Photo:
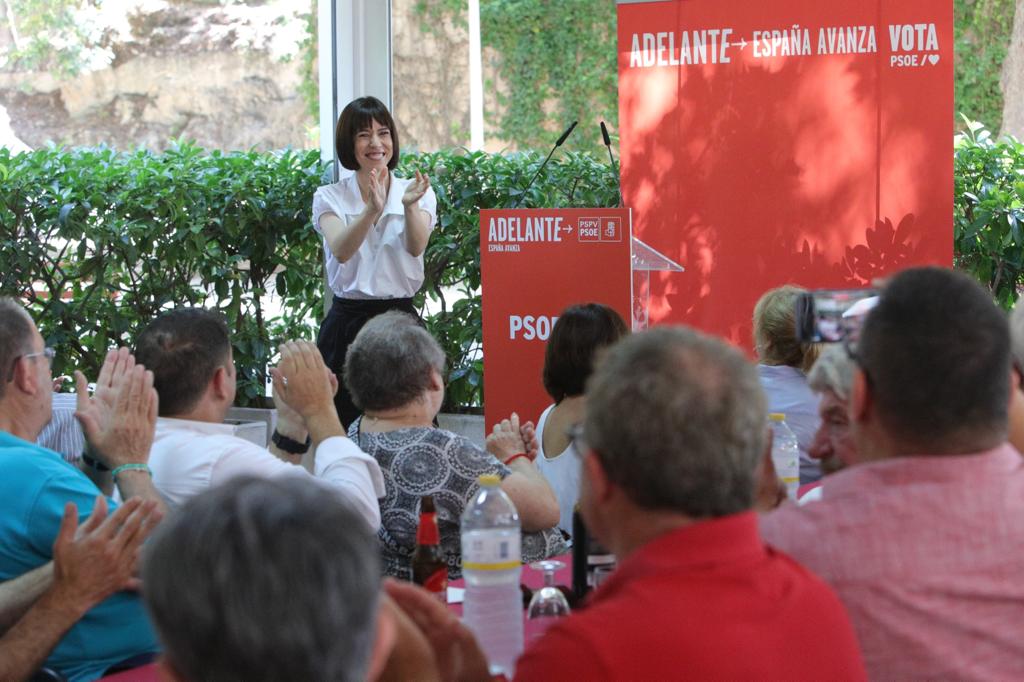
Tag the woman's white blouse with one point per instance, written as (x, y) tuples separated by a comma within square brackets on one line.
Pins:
[(563, 472), (382, 267)]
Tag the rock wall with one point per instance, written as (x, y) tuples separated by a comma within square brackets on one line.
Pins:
[(430, 72), (227, 78), (218, 76), (1013, 79), (429, 80)]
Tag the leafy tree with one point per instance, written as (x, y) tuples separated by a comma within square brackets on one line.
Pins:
[(988, 216), (52, 34)]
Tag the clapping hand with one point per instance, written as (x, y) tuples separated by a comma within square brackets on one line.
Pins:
[(416, 189), (119, 421), (100, 557), (529, 433), (457, 654), (377, 195), (506, 439), (302, 381)]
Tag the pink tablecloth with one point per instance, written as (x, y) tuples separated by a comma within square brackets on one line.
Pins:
[(146, 673)]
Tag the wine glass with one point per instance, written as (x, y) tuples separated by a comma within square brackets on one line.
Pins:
[(548, 603)]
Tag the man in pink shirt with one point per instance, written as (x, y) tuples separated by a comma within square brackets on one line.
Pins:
[(923, 539)]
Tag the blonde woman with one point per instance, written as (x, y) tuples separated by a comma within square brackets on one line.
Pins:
[(783, 363)]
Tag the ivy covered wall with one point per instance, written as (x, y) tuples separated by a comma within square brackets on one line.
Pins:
[(982, 32)]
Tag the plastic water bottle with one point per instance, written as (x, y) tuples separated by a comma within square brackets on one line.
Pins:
[(785, 454), (491, 564)]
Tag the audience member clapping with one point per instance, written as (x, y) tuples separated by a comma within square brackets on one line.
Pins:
[(782, 366), (90, 563), (189, 352), (580, 333), (37, 484), (394, 372), (923, 537)]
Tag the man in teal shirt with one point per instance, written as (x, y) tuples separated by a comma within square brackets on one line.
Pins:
[(119, 422)]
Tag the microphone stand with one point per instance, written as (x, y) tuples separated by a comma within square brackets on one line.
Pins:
[(558, 144), (611, 157)]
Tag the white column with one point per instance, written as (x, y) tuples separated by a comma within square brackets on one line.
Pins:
[(476, 80), (355, 58)]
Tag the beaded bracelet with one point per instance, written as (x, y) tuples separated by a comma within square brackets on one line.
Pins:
[(134, 466)]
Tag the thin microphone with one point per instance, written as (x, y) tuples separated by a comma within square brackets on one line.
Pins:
[(565, 135), (611, 157)]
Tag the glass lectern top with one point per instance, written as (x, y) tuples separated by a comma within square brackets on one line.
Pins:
[(647, 259)]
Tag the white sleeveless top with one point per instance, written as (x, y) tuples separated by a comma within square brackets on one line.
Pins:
[(563, 473)]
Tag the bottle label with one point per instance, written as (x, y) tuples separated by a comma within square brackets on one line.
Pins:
[(427, 533), (490, 552), (600, 559), (437, 583)]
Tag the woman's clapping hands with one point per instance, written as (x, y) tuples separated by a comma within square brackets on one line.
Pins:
[(416, 189)]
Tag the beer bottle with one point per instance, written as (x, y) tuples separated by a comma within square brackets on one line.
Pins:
[(429, 567)]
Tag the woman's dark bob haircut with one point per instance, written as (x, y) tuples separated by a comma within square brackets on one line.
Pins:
[(359, 115), (580, 332)]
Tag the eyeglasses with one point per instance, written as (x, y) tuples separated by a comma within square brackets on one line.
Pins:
[(47, 353)]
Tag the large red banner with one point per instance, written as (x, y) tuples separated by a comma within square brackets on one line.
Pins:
[(534, 263), (793, 141)]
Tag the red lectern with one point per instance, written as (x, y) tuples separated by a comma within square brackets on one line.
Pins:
[(534, 263)]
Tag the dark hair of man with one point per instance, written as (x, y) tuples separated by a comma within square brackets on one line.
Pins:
[(678, 422), (264, 579), (359, 115), (936, 352), (183, 348), (579, 332), (15, 337)]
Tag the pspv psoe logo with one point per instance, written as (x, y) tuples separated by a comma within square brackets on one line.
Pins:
[(913, 45), (600, 229)]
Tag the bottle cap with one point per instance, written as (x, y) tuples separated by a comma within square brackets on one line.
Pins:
[(777, 416), (489, 479)]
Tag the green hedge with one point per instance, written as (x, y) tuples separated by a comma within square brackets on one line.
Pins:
[(988, 217), (109, 239), (97, 242)]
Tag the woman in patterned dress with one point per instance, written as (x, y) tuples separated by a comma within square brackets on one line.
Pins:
[(394, 371)]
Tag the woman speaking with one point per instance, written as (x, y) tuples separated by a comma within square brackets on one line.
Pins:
[(375, 228)]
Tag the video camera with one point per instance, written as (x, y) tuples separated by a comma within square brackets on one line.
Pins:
[(832, 315)]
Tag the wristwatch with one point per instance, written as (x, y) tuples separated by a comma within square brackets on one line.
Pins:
[(93, 463), (290, 445)]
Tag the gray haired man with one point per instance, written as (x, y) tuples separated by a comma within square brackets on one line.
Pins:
[(266, 579)]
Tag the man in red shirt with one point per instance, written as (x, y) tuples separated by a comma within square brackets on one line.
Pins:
[(674, 433)]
